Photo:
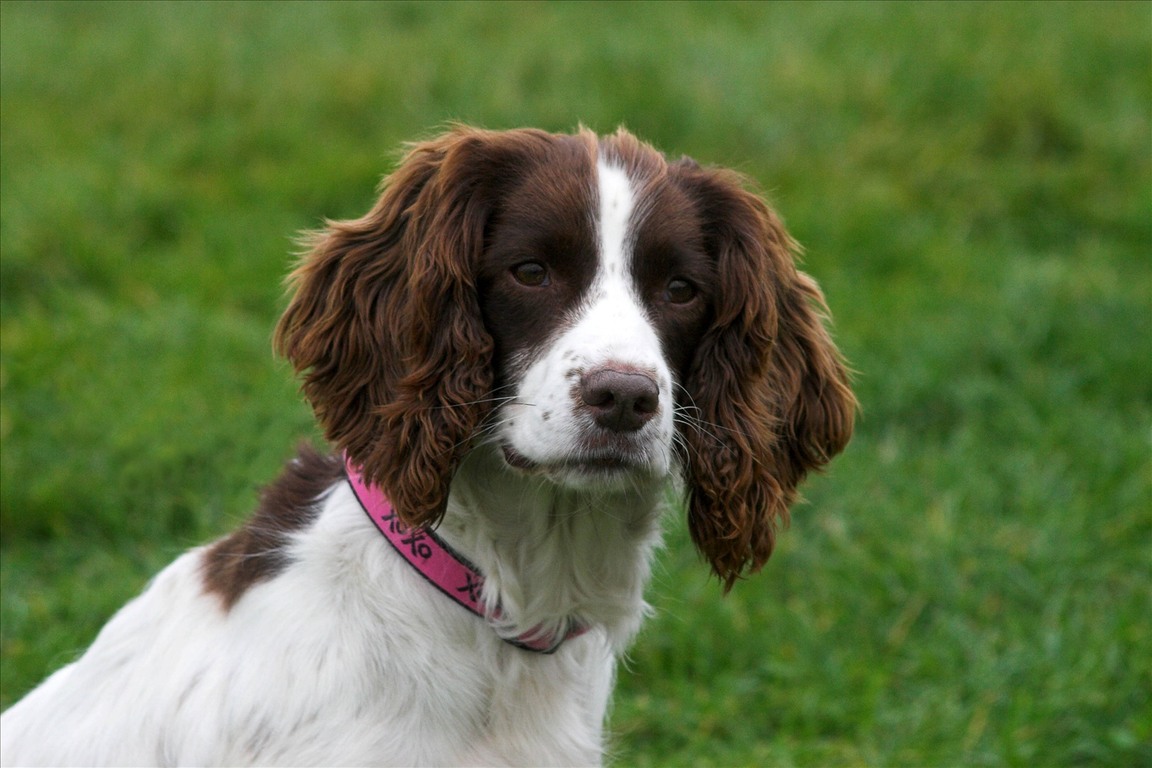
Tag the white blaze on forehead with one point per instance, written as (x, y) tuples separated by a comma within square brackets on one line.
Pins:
[(613, 320), (616, 204)]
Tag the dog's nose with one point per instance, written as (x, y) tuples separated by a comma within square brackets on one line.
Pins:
[(620, 400)]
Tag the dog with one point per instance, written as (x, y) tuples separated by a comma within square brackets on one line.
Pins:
[(528, 340)]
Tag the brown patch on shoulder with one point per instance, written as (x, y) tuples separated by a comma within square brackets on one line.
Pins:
[(255, 552)]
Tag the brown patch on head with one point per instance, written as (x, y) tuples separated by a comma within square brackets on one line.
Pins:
[(255, 552), (545, 218)]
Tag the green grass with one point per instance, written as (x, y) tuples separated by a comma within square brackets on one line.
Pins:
[(969, 585)]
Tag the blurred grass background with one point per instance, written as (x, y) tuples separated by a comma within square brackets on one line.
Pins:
[(971, 584)]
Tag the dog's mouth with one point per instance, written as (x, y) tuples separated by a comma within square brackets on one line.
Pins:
[(590, 465)]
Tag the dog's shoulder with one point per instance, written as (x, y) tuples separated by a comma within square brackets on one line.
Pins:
[(257, 551)]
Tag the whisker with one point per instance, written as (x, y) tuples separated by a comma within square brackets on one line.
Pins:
[(503, 399), (683, 410), (483, 432), (703, 427)]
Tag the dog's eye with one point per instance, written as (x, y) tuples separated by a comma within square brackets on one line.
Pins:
[(531, 273), (679, 291)]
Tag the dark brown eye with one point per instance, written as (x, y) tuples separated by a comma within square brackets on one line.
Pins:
[(679, 291), (531, 273)]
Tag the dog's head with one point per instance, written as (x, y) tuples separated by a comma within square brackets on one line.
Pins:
[(589, 309)]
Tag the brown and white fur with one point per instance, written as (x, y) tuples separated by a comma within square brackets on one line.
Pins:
[(525, 343)]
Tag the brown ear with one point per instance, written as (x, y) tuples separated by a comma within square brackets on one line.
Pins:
[(385, 324), (770, 386)]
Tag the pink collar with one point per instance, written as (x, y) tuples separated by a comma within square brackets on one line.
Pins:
[(433, 559)]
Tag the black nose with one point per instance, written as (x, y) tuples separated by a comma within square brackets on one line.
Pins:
[(622, 401)]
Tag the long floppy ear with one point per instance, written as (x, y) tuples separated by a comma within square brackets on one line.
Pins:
[(385, 324), (772, 391)]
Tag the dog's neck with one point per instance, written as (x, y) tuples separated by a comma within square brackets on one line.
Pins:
[(551, 554)]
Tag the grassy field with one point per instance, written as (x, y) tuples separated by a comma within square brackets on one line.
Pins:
[(971, 584)]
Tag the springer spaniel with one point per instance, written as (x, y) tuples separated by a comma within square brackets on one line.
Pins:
[(515, 353)]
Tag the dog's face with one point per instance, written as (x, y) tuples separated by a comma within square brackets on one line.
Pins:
[(590, 310), (595, 305)]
